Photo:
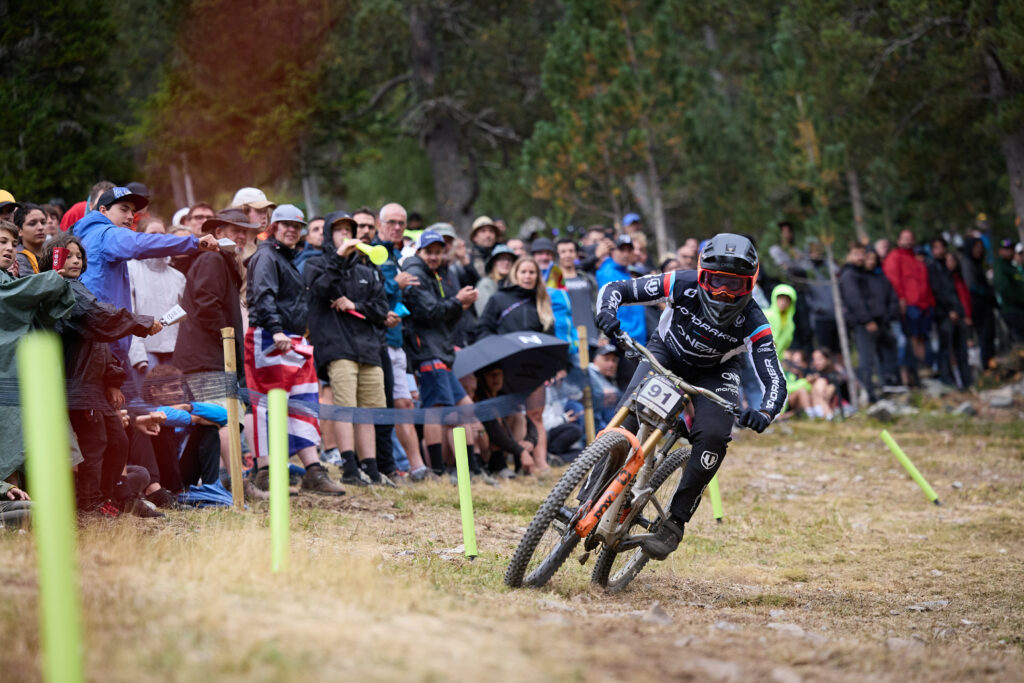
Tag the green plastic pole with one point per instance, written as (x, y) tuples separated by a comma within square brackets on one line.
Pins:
[(465, 493), (44, 422), (716, 498), (909, 467), (277, 436)]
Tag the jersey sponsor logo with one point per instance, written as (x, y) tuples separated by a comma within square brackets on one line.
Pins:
[(740, 319), (731, 377), (652, 287), (691, 292), (708, 459), (773, 388), (615, 298)]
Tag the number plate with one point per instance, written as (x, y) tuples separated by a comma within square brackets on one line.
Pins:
[(660, 397)]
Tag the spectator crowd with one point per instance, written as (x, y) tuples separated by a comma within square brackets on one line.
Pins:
[(139, 304)]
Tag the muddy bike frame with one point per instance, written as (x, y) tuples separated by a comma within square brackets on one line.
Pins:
[(605, 520)]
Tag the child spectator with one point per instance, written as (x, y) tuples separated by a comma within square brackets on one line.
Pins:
[(94, 386), (31, 221)]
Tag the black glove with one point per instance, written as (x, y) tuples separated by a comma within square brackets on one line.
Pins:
[(755, 419), (607, 322)]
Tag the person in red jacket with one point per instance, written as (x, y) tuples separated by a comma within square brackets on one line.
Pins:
[(909, 277)]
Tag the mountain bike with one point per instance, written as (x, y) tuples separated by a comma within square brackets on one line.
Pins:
[(614, 495)]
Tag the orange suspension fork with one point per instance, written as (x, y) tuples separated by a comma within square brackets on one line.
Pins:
[(618, 484)]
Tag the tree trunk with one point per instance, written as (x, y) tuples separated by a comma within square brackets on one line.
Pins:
[(844, 337), (656, 206), (1013, 144), (456, 179), (857, 201), (1013, 150)]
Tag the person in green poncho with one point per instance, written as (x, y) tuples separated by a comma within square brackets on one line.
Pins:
[(26, 304), (780, 317)]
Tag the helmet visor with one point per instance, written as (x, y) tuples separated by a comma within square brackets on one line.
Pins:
[(724, 286)]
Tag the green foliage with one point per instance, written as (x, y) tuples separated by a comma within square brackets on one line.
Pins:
[(56, 76)]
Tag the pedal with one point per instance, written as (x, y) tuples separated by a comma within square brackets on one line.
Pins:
[(582, 559), (632, 542)]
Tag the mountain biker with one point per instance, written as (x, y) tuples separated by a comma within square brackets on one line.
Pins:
[(710, 320)]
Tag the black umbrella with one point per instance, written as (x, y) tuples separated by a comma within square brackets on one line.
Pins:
[(528, 359)]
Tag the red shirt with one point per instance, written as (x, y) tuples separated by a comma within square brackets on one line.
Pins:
[(909, 277), (72, 216)]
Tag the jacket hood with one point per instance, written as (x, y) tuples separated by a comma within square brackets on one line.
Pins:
[(329, 221), (158, 264), (784, 290), (415, 261)]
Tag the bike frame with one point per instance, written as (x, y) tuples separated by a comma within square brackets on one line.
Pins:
[(606, 513)]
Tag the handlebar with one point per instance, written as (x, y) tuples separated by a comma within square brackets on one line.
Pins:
[(623, 339)]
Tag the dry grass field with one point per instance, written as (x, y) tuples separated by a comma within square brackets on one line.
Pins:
[(830, 566)]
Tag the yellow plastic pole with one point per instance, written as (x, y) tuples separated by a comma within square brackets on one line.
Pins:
[(465, 492), (716, 499), (909, 467), (277, 436), (44, 420), (588, 398), (234, 440)]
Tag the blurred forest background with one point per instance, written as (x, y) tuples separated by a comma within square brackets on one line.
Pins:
[(847, 117)]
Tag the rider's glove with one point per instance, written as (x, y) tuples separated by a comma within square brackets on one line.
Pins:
[(755, 419), (607, 322)]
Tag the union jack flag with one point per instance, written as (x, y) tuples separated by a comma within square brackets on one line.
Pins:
[(268, 368)]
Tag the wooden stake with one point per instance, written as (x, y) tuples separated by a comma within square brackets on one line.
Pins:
[(234, 439), (588, 399)]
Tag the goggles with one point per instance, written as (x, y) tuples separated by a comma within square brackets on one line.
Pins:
[(724, 286)]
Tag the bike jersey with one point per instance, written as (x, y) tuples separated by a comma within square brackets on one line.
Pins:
[(693, 341)]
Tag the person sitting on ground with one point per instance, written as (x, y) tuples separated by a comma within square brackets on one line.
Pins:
[(512, 435), (563, 421), (434, 313), (276, 353), (94, 386), (348, 308), (15, 507)]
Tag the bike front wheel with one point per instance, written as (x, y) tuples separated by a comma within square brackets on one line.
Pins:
[(614, 570), (551, 536)]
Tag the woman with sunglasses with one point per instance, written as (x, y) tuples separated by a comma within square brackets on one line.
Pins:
[(710, 320)]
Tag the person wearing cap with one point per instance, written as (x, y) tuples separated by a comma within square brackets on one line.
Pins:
[(8, 205), (435, 311), (484, 235), (110, 243), (614, 268), (602, 372), (632, 224), (1008, 281), (543, 251), (498, 267), (277, 355), (348, 308), (253, 201)]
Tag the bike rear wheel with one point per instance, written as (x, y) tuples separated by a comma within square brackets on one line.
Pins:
[(614, 570), (550, 537)]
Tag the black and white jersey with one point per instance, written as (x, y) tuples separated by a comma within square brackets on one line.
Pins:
[(693, 341)]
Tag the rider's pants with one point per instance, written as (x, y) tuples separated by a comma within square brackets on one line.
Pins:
[(712, 426)]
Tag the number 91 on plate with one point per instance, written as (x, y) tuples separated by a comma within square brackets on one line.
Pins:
[(660, 397)]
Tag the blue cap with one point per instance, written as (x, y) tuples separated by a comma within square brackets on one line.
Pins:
[(430, 237), (121, 194), (631, 218)]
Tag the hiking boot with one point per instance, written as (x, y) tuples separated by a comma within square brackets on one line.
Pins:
[(357, 478), (262, 479), (485, 478), (505, 473), (422, 474), (140, 507), (664, 540), (316, 480), (386, 481), (162, 498), (250, 492)]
